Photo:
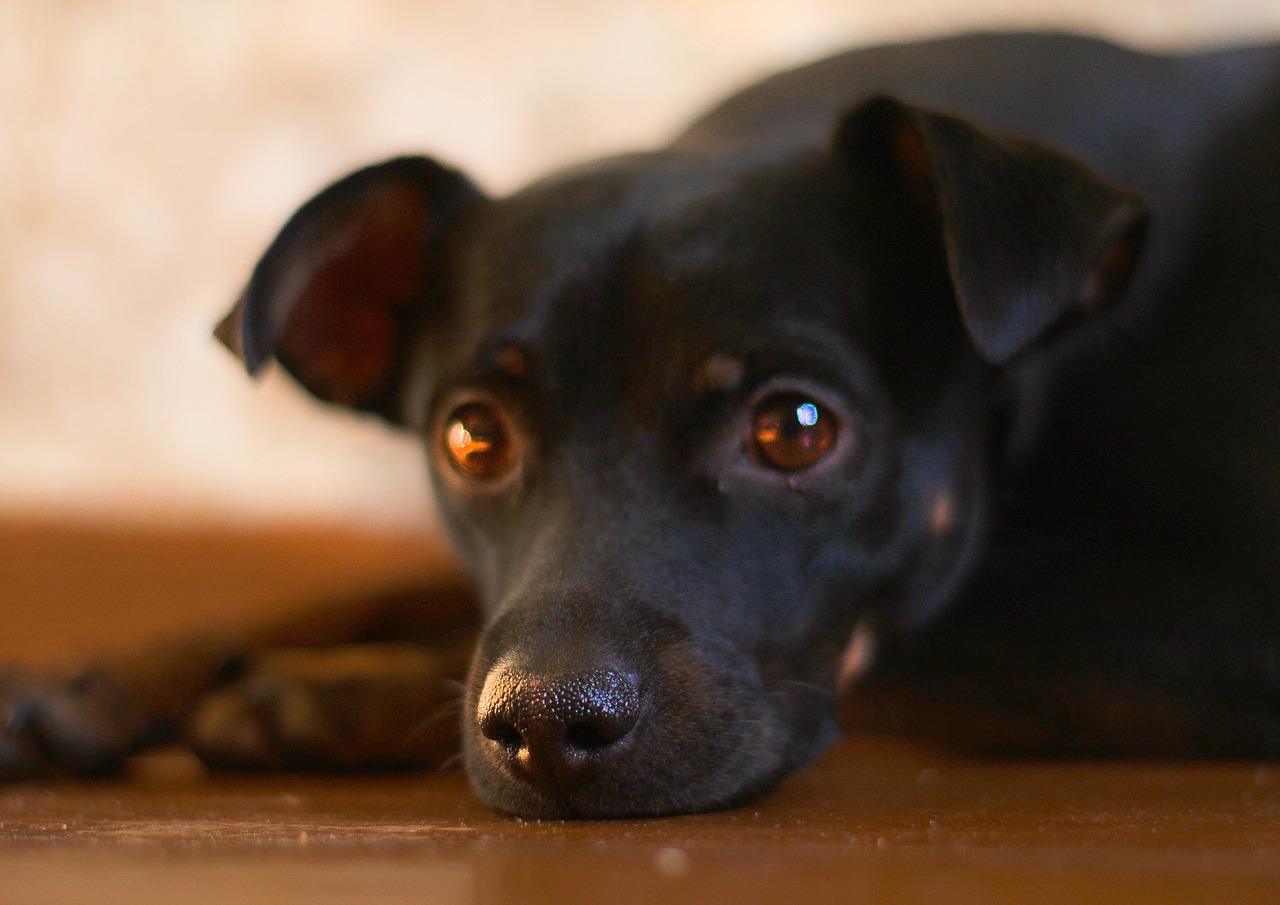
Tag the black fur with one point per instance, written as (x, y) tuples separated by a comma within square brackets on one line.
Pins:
[(1034, 281)]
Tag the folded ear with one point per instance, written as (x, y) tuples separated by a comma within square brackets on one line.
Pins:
[(1030, 234), (343, 290)]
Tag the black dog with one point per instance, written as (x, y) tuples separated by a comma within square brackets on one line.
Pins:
[(967, 350)]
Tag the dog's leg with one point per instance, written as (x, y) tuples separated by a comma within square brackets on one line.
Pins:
[(228, 685), (349, 707), (88, 721)]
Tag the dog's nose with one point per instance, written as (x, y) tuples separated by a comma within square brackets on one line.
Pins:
[(554, 729)]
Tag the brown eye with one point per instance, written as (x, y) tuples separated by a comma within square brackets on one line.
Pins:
[(791, 431), (477, 441)]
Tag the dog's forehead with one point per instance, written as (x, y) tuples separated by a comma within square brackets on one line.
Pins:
[(572, 235), (662, 258)]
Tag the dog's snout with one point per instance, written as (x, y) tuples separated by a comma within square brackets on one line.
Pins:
[(553, 729)]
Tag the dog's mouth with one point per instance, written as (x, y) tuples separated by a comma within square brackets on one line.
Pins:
[(605, 743)]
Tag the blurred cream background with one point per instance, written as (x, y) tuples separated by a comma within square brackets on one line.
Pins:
[(149, 151)]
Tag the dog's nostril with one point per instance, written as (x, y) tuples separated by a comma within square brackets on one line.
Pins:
[(551, 728), (502, 732), (587, 737)]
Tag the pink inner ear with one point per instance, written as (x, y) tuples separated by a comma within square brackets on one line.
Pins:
[(342, 334)]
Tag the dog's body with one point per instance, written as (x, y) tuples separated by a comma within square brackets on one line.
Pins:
[(830, 360)]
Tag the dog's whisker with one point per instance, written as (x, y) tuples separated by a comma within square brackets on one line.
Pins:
[(810, 687), (453, 709), (451, 763)]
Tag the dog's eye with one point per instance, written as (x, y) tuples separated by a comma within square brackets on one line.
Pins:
[(477, 441), (791, 431)]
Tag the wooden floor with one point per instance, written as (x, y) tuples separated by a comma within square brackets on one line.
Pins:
[(874, 822)]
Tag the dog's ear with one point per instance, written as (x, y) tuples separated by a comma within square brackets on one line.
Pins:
[(342, 291), (1030, 234)]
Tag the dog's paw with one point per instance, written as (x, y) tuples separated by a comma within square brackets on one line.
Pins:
[(51, 726), (354, 707)]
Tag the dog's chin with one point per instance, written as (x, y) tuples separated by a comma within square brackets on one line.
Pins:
[(666, 780)]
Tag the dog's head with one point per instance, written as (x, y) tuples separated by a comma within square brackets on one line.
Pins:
[(691, 417)]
